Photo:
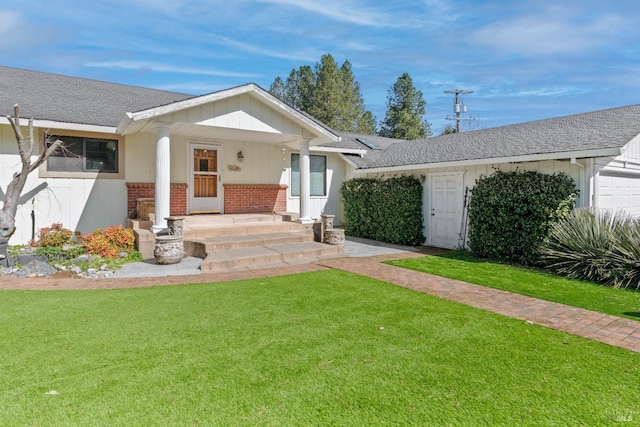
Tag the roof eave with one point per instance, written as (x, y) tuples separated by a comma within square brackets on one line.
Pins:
[(124, 123), (565, 155), (53, 124), (320, 148), (348, 161)]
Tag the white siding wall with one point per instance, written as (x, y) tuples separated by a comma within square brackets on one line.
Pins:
[(240, 112), (82, 204), (330, 204), (472, 173)]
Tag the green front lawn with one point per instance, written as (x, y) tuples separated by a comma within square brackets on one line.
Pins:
[(314, 349), (461, 265)]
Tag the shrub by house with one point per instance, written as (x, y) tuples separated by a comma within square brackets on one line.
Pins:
[(387, 210), (510, 213)]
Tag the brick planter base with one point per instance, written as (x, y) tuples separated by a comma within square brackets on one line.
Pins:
[(255, 198), (145, 190)]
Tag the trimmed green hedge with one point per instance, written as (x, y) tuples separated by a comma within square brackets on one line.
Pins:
[(387, 210), (510, 213)]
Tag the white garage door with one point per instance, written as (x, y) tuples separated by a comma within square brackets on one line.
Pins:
[(619, 191)]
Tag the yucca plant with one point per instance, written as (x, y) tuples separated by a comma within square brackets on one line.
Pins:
[(601, 246)]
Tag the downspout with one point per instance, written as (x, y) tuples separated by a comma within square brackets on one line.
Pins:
[(583, 182)]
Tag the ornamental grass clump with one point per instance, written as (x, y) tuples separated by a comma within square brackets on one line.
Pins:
[(601, 246)]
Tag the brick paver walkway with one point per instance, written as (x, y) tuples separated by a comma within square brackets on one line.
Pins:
[(600, 327)]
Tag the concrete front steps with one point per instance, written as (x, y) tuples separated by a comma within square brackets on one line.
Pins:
[(248, 241), (253, 241)]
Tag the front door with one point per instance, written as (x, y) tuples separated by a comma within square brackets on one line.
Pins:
[(446, 202), (204, 188)]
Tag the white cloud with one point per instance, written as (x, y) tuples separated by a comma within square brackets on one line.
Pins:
[(9, 22), (551, 91), (551, 31), (347, 11), (161, 68), (281, 53)]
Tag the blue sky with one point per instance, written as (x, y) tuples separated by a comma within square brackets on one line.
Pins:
[(525, 60)]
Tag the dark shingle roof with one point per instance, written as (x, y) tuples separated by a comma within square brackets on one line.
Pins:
[(603, 129), (350, 141), (69, 99)]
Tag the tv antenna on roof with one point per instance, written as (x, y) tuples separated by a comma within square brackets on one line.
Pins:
[(459, 107)]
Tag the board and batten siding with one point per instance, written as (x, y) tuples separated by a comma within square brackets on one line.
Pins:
[(81, 204), (238, 112), (470, 174), (329, 204)]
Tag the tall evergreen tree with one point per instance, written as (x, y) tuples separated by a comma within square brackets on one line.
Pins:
[(405, 108), (328, 105), (355, 117), (277, 89), (448, 129), (330, 94)]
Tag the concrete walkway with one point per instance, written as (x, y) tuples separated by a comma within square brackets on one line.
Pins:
[(365, 259)]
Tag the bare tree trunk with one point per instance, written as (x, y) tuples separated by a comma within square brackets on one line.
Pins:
[(26, 148)]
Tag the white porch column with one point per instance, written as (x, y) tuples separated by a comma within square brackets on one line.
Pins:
[(163, 177), (305, 182)]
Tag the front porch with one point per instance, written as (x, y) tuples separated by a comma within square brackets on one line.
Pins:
[(237, 241), (226, 152)]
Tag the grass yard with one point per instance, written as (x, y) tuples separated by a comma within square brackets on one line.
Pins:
[(461, 265), (314, 349)]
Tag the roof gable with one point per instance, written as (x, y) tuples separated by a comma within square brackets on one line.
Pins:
[(247, 108)]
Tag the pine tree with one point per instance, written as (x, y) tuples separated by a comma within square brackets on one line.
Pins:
[(355, 117), (448, 129), (277, 89), (328, 93), (328, 105), (405, 108)]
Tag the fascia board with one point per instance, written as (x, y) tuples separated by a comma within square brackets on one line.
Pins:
[(348, 161), (322, 149), (52, 124), (603, 152), (251, 88)]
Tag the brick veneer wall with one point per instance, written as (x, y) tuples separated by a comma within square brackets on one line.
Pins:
[(138, 190), (254, 198)]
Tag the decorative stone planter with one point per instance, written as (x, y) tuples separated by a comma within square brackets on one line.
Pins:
[(168, 249), (334, 237), (176, 225), (327, 221), (326, 224)]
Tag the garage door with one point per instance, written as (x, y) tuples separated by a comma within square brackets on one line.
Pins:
[(619, 191)]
